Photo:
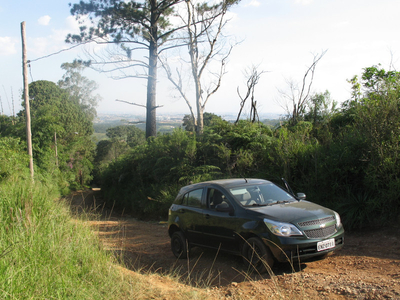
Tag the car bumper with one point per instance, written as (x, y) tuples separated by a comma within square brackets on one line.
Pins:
[(286, 249)]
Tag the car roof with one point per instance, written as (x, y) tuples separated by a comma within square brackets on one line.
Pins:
[(226, 183)]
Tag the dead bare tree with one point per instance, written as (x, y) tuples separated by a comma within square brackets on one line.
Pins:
[(204, 25), (298, 97), (179, 86), (253, 76)]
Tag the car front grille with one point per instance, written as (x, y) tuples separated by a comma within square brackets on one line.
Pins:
[(316, 222), (320, 232)]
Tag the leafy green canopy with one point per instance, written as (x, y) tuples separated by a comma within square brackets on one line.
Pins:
[(124, 21), (79, 87), (61, 134), (121, 139)]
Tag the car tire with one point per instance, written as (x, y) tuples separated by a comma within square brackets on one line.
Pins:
[(179, 245), (257, 256)]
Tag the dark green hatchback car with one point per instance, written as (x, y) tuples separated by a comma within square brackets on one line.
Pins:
[(254, 218)]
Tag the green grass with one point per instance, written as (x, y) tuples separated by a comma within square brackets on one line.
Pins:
[(46, 255)]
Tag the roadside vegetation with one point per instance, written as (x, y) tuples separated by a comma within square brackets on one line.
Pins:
[(46, 250), (44, 255), (345, 158), (47, 253)]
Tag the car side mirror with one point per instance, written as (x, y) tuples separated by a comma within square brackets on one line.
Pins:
[(301, 196), (224, 207)]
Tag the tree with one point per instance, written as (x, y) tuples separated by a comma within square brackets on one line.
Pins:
[(204, 24), (132, 135), (209, 119), (298, 97), (61, 132), (253, 77), (320, 108), (6, 124), (134, 26), (371, 138), (79, 87)]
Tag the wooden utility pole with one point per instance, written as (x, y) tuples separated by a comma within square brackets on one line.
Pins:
[(55, 144), (26, 99)]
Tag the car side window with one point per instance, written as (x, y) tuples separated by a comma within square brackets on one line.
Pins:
[(215, 197), (193, 198)]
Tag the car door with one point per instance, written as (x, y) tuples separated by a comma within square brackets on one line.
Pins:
[(190, 211), (219, 227)]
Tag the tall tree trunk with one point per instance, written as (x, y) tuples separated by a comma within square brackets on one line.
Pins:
[(200, 119), (199, 106), (151, 123)]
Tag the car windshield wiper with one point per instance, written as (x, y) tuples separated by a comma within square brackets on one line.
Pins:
[(256, 204), (269, 204), (279, 202)]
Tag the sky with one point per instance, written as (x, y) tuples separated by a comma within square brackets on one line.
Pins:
[(280, 37)]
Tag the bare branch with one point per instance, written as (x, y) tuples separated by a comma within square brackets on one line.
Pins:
[(300, 97), (253, 78), (219, 77), (177, 84), (131, 103)]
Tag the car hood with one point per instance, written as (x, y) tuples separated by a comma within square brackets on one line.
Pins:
[(293, 212)]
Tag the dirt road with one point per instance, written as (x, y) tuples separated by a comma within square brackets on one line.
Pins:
[(368, 267)]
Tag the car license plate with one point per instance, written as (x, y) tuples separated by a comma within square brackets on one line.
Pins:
[(326, 245)]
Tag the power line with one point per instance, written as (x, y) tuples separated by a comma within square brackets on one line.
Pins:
[(52, 54), (58, 52)]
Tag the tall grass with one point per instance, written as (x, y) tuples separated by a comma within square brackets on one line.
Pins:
[(44, 254), (47, 254)]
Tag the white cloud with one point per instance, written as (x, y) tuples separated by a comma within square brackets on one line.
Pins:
[(254, 3), (45, 20), (73, 24), (7, 46)]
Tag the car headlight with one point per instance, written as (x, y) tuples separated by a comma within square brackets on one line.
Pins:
[(337, 217), (282, 229)]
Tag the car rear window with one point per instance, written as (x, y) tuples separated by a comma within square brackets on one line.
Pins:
[(193, 198)]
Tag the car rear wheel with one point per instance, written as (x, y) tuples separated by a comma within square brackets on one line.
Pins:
[(256, 255), (179, 245)]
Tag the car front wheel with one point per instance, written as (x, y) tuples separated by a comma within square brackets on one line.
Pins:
[(179, 245), (256, 255)]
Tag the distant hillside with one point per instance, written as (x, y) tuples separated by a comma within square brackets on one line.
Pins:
[(165, 123)]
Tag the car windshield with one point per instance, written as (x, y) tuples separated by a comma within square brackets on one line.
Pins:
[(261, 195)]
